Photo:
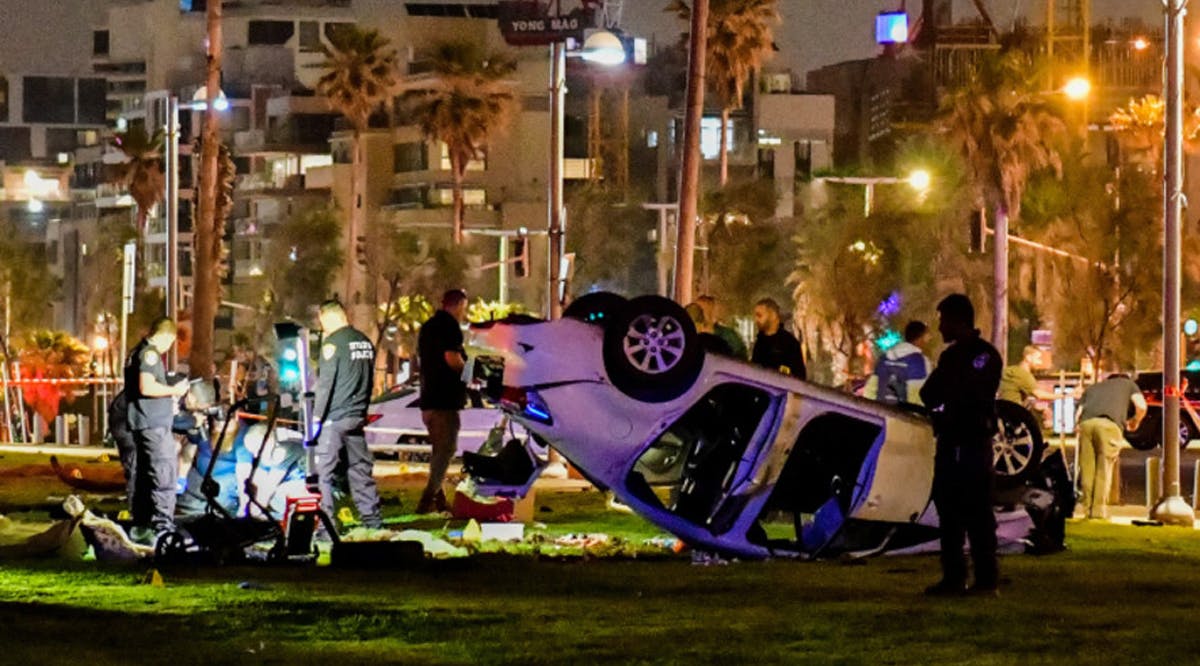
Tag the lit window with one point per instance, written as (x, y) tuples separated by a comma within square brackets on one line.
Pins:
[(473, 165), (710, 137)]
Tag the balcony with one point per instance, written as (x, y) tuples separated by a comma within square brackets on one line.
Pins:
[(440, 218)]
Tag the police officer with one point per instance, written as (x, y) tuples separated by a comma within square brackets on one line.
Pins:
[(150, 412), (961, 395), (344, 380)]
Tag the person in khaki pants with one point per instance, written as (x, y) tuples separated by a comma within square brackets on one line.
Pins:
[(1103, 410)]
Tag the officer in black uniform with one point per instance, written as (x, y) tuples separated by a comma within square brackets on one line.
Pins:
[(150, 412), (344, 379), (961, 395)]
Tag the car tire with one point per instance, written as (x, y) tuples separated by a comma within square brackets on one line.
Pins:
[(1149, 432), (1017, 447), (597, 307), (651, 350)]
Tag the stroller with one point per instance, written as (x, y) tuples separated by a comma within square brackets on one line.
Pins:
[(221, 535)]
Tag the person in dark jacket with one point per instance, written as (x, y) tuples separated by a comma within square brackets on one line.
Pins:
[(961, 396), (345, 376), (774, 347), (443, 391), (150, 412)]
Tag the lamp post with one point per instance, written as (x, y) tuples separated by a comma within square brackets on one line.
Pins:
[(920, 180), (1171, 508), (171, 182), (601, 47)]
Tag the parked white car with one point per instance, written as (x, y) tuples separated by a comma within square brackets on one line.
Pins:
[(394, 421), (726, 455)]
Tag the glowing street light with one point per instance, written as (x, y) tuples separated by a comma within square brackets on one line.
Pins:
[(1140, 44), (920, 180), (1077, 88)]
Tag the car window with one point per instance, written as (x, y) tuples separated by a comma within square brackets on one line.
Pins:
[(690, 467)]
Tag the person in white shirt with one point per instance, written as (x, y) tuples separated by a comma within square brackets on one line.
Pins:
[(900, 373)]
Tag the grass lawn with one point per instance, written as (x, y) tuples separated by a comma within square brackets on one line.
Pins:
[(1118, 595)]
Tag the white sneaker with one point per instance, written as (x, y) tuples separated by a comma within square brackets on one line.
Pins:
[(555, 470)]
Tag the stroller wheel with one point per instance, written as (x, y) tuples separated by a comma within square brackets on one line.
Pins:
[(171, 547)]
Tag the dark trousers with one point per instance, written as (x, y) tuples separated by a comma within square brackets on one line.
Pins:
[(127, 450), (347, 435), (156, 470), (443, 425), (962, 494)]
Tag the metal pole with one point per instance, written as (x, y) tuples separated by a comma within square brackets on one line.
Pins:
[(558, 91), (21, 403), (689, 170), (1171, 507), (503, 280), (127, 286), (172, 201)]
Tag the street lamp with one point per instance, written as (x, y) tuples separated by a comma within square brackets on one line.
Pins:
[(199, 103), (919, 180), (601, 47)]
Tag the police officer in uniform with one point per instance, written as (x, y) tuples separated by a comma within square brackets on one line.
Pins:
[(961, 395), (150, 412), (344, 380)]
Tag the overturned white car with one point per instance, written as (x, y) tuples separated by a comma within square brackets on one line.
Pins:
[(731, 457)]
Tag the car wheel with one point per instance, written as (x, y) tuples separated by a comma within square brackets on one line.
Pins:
[(651, 350), (1018, 446), (1149, 432), (597, 307)]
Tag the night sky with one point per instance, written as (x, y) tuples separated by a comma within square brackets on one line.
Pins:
[(55, 37)]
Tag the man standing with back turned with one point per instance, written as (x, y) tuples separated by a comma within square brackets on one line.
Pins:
[(961, 396), (344, 380), (443, 392)]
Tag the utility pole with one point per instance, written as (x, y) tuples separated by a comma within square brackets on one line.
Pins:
[(556, 234), (1171, 508), (689, 172)]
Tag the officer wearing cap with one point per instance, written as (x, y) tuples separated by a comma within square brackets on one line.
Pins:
[(961, 395), (149, 414), (344, 381)]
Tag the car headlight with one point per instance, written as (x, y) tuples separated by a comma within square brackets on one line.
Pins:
[(527, 403)]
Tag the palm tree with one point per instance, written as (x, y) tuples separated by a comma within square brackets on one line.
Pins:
[(740, 39), (467, 101), (1139, 129), (1005, 130), (208, 230), (360, 75), (142, 172), (47, 354)]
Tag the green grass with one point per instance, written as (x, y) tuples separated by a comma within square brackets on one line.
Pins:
[(1118, 595)]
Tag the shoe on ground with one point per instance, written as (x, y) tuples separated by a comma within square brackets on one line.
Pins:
[(946, 588), (143, 536), (435, 503)]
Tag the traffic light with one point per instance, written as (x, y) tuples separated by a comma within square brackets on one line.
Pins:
[(1191, 335), (360, 250), (520, 250), (291, 358), (977, 231)]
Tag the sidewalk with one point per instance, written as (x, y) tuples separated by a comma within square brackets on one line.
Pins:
[(1126, 514)]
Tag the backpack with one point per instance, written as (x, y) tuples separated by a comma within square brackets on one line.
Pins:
[(894, 375)]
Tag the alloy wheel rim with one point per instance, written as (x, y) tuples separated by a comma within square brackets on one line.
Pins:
[(654, 344)]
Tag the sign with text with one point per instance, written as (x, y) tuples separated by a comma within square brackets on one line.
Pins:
[(530, 23)]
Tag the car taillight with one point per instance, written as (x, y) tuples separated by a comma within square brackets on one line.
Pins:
[(371, 418)]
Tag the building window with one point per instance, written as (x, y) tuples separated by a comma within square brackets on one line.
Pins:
[(710, 137), (803, 152), (93, 101), (49, 99), (410, 157), (310, 37), (766, 163), (99, 42), (473, 165), (270, 33), (332, 28), (445, 197)]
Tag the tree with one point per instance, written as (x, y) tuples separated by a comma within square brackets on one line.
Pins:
[(208, 225), (1139, 130), (604, 227), (360, 75), (142, 170), (47, 354), (728, 213), (303, 256), (467, 100), (1005, 130), (740, 39)]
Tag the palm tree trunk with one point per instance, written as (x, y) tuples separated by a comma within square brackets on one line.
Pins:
[(1000, 293), (689, 177), (354, 224), (458, 166), (205, 242), (724, 146)]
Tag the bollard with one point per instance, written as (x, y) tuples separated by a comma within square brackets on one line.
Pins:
[(82, 433), (1153, 481), (60, 430)]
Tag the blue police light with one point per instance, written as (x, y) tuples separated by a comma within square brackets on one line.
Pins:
[(891, 28)]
